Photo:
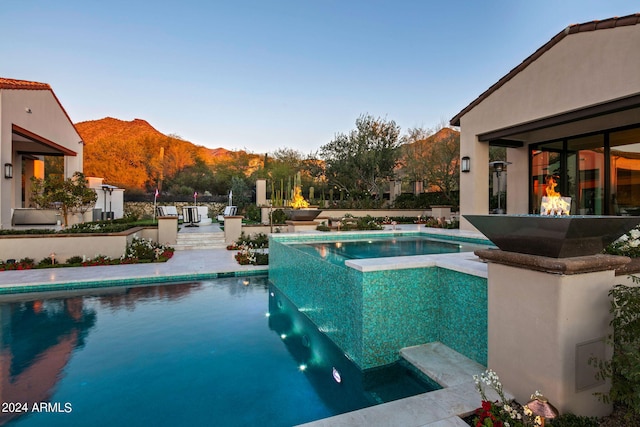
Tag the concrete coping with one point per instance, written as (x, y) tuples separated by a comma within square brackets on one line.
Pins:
[(573, 265)]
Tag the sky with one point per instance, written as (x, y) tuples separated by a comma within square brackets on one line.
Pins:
[(265, 75)]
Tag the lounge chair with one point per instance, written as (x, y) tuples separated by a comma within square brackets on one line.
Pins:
[(228, 211), (191, 215)]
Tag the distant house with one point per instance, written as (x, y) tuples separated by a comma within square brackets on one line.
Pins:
[(33, 124), (570, 110)]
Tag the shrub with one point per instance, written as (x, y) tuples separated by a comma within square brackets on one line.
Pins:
[(146, 250), (262, 259), (254, 213), (74, 260), (47, 262), (624, 367), (278, 216), (368, 223), (323, 227), (627, 245), (258, 241), (98, 260), (571, 420)]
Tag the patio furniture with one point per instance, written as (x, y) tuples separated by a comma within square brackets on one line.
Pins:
[(191, 215), (228, 211)]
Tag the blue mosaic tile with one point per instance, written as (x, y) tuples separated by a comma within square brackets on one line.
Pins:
[(372, 315), (7, 290)]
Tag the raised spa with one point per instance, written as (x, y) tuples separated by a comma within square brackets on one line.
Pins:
[(372, 313)]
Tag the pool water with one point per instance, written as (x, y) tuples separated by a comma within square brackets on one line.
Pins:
[(340, 251), (204, 353)]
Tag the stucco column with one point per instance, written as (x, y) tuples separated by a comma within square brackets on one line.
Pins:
[(261, 192), (167, 230), (232, 228), (518, 180), (474, 185), (547, 317)]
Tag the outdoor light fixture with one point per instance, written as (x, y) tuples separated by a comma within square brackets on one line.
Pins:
[(8, 170), (465, 165), (499, 166), (541, 409)]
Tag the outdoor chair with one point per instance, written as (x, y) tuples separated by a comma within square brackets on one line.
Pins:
[(191, 215), (228, 211)]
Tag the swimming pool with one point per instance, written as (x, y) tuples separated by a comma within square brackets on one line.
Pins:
[(202, 353), (341, 250)]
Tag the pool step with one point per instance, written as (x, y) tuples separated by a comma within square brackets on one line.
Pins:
[(188, 241)]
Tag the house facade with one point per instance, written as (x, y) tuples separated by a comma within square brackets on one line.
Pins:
[(570, 111), (33, 125)]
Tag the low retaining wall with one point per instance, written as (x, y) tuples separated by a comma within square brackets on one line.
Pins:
[(435, 211), (64, 246)]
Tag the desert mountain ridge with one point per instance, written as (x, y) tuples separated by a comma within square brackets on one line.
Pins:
[(135, 155)]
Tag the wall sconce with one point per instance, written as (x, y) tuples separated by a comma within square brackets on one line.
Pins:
[(465, 164), (8, 170)]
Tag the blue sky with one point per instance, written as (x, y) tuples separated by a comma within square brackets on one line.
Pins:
[(263, 75)]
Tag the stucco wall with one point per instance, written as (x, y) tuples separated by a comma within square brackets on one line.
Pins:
[(583, 69), (46, 119), (64, 246)]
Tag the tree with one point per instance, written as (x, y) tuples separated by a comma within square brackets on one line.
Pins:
[(364, 159), (70, 195), (433, 156), (240, 191), (197, 177), (442, 163)]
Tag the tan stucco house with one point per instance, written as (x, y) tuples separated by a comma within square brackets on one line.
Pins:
[(570, 110), (33, 124)]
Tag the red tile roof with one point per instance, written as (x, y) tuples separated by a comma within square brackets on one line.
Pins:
[(571, 29), (22, 84)]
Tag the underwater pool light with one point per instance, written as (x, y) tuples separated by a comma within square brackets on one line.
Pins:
[(336, 375), (283, 336), (267, 314), (303, 367)]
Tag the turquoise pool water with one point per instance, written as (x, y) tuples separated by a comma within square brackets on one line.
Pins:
[(371, 314), (203, 353), (375, 247)]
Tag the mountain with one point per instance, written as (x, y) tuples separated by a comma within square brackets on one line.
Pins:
[(133, 154)]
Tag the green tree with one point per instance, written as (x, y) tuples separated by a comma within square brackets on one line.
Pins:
[(240, 191), (197, 177), (442, 163), (362, 160), (69, 196)]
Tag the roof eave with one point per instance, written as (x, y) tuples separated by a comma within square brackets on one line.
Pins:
[(572, 29)]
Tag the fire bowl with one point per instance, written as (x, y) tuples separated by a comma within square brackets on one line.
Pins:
[(553, 236), (303, 214)]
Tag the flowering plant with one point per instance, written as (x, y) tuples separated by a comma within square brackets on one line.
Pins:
[(502, 412), (628, 245)]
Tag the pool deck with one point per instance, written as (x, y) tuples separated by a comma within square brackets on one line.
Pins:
[(452, 370)]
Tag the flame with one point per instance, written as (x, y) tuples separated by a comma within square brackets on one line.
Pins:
[(553, 203), (298, 201)]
